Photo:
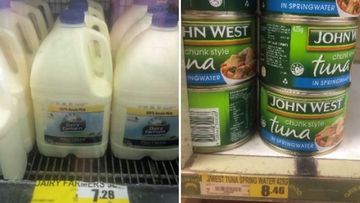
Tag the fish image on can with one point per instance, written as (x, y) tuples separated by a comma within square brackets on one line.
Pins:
[(218, 50), (335, 8), (302, 123), (306, 53), (222, 118)]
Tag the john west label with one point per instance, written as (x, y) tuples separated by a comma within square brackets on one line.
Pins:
[(303, 124), (218, 52), (307, 56)]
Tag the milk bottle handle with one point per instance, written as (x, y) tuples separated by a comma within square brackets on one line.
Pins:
[(104, 55), (30, 35), (38, 17), (96, 13), (94, 22), (96, 5), (12, 43), (47, 12)]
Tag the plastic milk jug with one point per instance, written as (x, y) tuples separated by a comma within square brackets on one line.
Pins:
[(145, 104), (45, 10), (17, 83), (22, 28), (71, 89), (94, 9), (141, 25), (91, 21), (122, 25), (118, 8), (35, 16), (12, 152)]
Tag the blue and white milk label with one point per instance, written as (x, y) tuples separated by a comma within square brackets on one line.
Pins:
[(74, 124), (152, 127)]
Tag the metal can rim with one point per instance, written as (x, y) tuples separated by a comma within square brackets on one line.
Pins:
[(244, 84), (305, 93), (222, 15), (296, 19)]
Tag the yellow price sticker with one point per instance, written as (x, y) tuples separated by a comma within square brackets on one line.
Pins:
[(244, 186), (79, 192)]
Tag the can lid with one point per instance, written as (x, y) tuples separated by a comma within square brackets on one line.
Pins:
[(72, 16), (248, 6), (80, 5), (4, 3), (165, 20)]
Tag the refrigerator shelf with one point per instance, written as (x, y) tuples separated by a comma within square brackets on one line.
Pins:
[(147, 180)]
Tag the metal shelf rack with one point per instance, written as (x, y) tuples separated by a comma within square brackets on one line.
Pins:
[(332, 177)]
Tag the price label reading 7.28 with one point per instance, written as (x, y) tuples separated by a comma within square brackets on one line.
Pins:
[(79, 192)]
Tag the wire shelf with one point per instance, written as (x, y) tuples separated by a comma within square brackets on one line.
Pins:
[(105, 169)]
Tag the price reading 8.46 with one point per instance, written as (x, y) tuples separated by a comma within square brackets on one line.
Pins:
[(266, 190)]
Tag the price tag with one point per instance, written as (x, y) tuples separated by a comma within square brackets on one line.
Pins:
[(79, 192), (244, 186)]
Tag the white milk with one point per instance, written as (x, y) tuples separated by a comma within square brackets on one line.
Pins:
[(140, 26), (90, 20), (45, 10), (12, 152), (125, 21), (17, 83), (26, 36), (144, 119), (35, 16), (71, 88)]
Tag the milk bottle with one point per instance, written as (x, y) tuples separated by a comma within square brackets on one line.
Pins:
[(145, 103), (140, 26), (17, 83), (35, 16), (94, 8), (91, 21), (71, 89), (118, 8), (45, 10), (122, 25), (22, 28), (12, 151)]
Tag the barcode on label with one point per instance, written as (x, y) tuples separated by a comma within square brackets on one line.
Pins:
[(205, 128), (228, 190)]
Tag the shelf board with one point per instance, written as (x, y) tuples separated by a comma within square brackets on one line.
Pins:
[(21, 191), (334, 176)]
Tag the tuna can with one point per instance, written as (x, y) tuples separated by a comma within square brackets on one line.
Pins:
[(336, 8), (219, 47), (302, 122), (307, 53), (243, 6), (222, 118)]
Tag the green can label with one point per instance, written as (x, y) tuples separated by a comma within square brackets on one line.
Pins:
[(301, 124), (222, 117), (247, 6), (219, 52), (307, 57), (335, 8)]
